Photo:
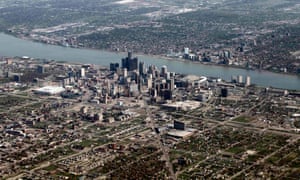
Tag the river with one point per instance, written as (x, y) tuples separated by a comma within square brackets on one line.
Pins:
[(11, 47)]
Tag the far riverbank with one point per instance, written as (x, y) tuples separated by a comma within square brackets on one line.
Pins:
[(162, 57), (12, 47)]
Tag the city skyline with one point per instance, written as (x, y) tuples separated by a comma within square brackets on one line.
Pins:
[(135, 89)]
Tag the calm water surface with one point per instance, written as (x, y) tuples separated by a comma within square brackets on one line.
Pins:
[(11, 47)]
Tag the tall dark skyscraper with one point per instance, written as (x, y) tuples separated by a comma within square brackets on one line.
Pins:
[(142, 68), (130, 63), (41, 69), (114, 66)]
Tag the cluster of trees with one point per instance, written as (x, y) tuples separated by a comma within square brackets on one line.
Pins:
[(275, 50)]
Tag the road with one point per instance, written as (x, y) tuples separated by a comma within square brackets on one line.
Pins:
[(265, 158), (295, 137), (160, 142)]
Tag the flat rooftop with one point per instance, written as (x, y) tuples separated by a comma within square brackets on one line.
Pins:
[(49, 90), (183, 105), (181, 134)]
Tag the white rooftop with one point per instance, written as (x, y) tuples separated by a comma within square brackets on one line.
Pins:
[(180, 133), (194, 78), (50, 90), (184, 105)]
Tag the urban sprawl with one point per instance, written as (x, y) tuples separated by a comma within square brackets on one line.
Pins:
[(132, 121)]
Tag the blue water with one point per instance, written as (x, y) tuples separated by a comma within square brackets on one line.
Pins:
[(11, 47)]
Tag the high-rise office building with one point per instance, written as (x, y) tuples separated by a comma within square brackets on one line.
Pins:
[(240, 79), (114, 66), (82, 72), (130, 63), (248, 81), (186, 50), (171, 84), (125, 73), (41, 69), (164, 71), (142, 68), (224, 92)]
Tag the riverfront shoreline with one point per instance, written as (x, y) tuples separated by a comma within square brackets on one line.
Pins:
[(17, 47), (158, 57)]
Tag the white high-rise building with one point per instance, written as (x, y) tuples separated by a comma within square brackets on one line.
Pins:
[(149, 82), (82, 72), (248, 81), (186, 50), (240, 79), (125, 72)]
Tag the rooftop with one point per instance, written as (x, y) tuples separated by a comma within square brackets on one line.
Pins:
[(50, 90)]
